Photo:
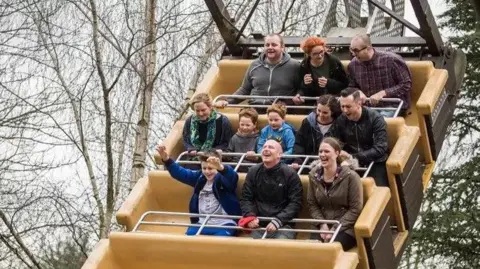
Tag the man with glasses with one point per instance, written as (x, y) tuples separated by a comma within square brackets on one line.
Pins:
[(379, 74)]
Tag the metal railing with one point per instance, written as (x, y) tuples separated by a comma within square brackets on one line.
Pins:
[(237, 164), (207, 217), (276, 98)]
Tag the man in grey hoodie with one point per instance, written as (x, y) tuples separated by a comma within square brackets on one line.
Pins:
[(274, 73)]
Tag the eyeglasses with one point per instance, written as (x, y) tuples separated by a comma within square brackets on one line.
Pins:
[(355, 50), (316, 54)]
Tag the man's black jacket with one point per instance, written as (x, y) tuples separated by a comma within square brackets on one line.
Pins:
[(365, 139), (275, 192)]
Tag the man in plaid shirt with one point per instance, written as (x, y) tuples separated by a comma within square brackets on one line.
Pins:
[(378, 74)]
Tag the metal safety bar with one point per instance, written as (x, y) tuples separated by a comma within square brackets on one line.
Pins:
[(276, 98), (207, 217), (365, 170)]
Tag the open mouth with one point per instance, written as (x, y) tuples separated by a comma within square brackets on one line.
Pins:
[(266, 154)]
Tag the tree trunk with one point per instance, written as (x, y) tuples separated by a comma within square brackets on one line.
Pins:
[(104, 231), (149, 61)]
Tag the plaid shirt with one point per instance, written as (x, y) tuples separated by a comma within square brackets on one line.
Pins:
[(385, 71)]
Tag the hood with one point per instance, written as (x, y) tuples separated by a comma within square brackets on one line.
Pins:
[(312, 119), (285, 58), (285, 126)]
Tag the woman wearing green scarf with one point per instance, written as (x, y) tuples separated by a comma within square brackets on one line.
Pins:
[(206, 129)]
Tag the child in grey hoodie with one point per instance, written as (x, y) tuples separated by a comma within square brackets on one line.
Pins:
[(246, 138)]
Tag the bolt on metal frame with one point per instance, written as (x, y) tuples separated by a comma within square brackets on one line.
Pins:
[(204, 224)]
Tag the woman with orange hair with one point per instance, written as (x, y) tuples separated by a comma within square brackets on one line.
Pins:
[(321, 72)]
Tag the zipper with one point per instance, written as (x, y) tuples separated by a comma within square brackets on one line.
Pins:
[(327, 193), (270, 79)]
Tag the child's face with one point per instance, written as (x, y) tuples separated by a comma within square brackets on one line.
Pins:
[(208, 171), (246, 126), (274, 120)]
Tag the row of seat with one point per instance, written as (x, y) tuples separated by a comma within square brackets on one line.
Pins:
[(159, 192)]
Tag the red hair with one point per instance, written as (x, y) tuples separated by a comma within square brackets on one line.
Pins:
[(310, 42)]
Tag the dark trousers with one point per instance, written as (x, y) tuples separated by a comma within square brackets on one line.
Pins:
[(379, 173), (343, 238)]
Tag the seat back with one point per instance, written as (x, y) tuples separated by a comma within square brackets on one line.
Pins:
[(157, 250), (229, 77), (394, 130)]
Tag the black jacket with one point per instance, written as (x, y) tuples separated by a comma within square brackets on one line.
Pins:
[(337, 80), (366, 139), (308, 138), (276, 192)]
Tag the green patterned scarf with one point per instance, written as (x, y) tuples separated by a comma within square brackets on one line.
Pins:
[(211, 129)]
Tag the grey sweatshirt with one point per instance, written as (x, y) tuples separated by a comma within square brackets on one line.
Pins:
[(242, 144), (269, 80)]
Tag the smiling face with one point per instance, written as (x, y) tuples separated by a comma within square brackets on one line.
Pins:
[(328, 155), (271, 153), (273, 48), (246, 126), (208, 171), (351, 108), (274, 120), (324, 114), (202, 110)]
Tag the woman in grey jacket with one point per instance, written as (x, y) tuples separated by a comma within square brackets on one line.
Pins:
[(335, 193)]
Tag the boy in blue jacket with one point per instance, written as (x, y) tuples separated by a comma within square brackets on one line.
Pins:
[(213, 191), (277, 129)]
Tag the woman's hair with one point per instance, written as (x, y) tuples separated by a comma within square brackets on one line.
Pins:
[(202, 98), (331, 102), (209, 153), (249, 113), (336, 145), (310, 42), (278, 108)]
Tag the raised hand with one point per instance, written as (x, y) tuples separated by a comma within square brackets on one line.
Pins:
[(162, 150), (216, 163)]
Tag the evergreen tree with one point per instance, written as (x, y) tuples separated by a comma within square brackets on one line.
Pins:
[(448, 230)]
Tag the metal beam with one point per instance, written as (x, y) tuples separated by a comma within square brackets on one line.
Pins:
[(294, 41), (225, 26), (397, 17), (428, 26), (247, 20)]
